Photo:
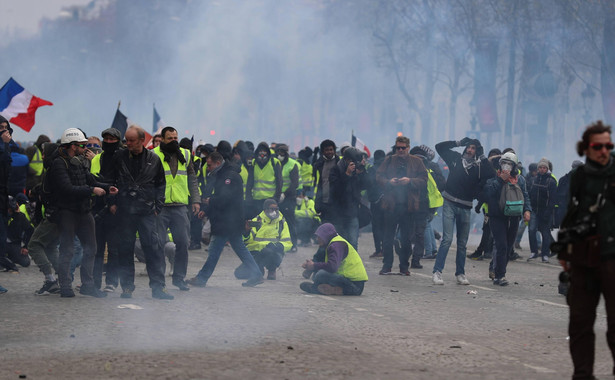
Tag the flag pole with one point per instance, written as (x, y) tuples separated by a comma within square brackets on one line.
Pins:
[(118, 104)]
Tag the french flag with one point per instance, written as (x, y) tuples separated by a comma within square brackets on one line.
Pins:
[(360, 145), (18, 105)]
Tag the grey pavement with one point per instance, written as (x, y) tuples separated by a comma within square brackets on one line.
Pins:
[(400, 328)]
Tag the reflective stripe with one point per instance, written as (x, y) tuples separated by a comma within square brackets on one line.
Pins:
[(36, 163), (176, 190)]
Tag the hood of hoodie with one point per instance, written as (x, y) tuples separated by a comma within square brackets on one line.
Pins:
[(326, 232), (262, 146), (41, 140)]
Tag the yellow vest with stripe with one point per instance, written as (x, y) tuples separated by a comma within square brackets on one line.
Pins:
[(244, 177), (435, 198), (264, 180), (305, 175), (95, 164), (290, 164), (352, 266), (176, 190), (36, 163), (306, 210), (271, 231)]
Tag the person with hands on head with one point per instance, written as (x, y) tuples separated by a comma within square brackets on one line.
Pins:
[(72, 186)]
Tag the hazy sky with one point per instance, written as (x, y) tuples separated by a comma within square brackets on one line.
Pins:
[(22, 17)]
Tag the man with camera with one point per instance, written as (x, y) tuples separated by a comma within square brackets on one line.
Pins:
[(585, 246), (347, 179), (140, 178)]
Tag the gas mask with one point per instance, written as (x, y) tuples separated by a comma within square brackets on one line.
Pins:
[(281, 157), (272, 214), (506, 167)]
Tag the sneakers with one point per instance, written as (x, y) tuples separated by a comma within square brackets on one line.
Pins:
[(518, 246), (475, 256), (196, 281), (49, 287), (384, 271), (109, 289), (271, 274), (431, 256), (293, 249), (533, 256), (252, 282), (308, 287), (3, 289), (437, 278), (376, 255), (126, 293), (181, 284), (416, 265), (330, 290), (92, 291), (161, 294), (462, 280), (194, 247), (514, 256), (500, 281), (545, 259), (404, 272), (67, 293)]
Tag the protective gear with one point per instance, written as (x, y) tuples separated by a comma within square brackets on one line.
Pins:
[(272, 214), (510, 156), (506, 167), (176, 189), (113, 132), (110, 148), (73, 135), (281, 157), (299, 200)]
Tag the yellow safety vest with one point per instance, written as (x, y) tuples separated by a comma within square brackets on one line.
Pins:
[(271, 231), (244, 177), (290, 164), (352, 266), (306, 210), (36, 163), (264, 180), (95, 164), (176, 190), (435, 198), (306, 178)]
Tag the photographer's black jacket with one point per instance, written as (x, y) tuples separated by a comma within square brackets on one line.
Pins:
[(140, 181)]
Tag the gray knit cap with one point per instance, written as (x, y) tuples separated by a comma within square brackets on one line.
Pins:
[(543, 162)]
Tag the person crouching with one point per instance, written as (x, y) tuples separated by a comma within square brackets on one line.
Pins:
[(342, 271)]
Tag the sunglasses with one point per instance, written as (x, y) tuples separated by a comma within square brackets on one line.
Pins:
[(599, 146), (80, 145), (401, 147)]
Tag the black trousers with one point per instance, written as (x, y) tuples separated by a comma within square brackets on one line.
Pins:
[(148, 227), (73, 224), (377, 225), (586, 286), (106, 236)]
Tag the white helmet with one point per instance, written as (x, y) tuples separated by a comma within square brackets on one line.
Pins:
[(72, 135), (510, 156)]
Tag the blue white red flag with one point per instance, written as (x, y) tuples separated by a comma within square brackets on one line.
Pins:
[(18, 105), (158, 123), (360, 145)]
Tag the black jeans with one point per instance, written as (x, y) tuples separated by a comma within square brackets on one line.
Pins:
[(377, 225), (73, 224), (583, 297), (486, 240), (418, 222), (14, 254), (106, 235), (351, 288), (399, 217), (148, 227), (287, 207), (504, 231)]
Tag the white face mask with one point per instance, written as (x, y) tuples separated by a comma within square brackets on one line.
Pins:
[(272, 215), (299, 200), (506, 167), (281, 158)]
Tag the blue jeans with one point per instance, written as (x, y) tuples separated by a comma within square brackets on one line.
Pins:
[(430, 240), (216, 245), (348, 228), (453, 214), (535, 227)]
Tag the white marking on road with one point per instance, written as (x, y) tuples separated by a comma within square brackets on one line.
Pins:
[(377, 315), (551, 303), (483, 288), (539, 369), (360, 309), (327, 298)]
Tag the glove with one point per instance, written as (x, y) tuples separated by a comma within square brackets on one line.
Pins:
[(282, 196), (464, 141), (478, 208)]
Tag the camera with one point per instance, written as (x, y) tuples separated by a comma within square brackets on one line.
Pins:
[(579, 243)]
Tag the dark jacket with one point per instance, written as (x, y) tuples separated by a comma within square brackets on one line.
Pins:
[(492, 191), (225, 209), (463, 186), (586, 183), (143, 194), (543, 192), (415, 193), (563, 194), (5, 168), (317, 169), (71, 183), (19, 171), (346, 190)]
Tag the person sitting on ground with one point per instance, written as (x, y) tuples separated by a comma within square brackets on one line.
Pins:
[(268, 239), (18, 233), (306, 218), (342, 271)]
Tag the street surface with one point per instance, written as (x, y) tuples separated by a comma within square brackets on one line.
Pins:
[(400, 328)]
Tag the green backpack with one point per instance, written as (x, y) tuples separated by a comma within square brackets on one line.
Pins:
[(511, 200)]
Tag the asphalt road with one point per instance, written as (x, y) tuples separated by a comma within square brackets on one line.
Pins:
[(400, 328)]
